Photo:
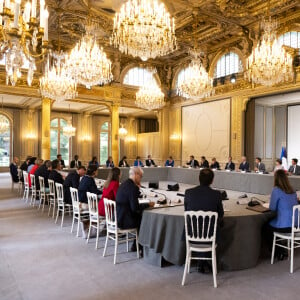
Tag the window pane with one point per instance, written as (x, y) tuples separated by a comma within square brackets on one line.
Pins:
[(138, 77), (291, 39), (54, 123), (64, 147), (229, 63), (103, 147), (63, 123), (53, 143), (5, 145), (104, 126)]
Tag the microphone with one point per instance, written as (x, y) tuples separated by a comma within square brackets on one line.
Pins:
[(161, 201)]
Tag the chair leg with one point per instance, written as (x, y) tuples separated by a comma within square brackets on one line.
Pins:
[(127, 243), (78, 227), (273, 249), (116, 249), (54, 206), (214, 267), (57, 215), (62, 217), (73, 223), (292, 256), (187, 262), (97, 237), (89, 232), (137, 245), (105, 246)]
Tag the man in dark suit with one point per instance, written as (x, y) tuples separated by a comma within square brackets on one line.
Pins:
[(72, 180), (62, 163), (230, 165), (54, 174), (214, 164), (43, 171), (294, 168), (193, 163), (76, 163), (123, 162), (13, 169), (204, 163), (244, 165), (259, 166), (150, 162)]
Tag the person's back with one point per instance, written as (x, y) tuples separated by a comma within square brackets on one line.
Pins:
[(43, 171), (72, 180), (110, 193)]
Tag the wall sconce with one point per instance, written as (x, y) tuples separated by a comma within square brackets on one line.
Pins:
[(86, 138), (30, 136), (130, 139), (175, 137)]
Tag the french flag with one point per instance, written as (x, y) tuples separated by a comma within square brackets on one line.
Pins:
[(283, 158)]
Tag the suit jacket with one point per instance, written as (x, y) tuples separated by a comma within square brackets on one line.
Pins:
[(62, 163), (169, 164), (123, 163), (87, 184), (261, 167), (205, 164), (13, 169), (230, 166), (215, 165), (72, 180), (56, 177), (73, 165), (244, 166), (194, 163), (129, 211), (150, 162), (109, 164), (297, 172), (43, 172)]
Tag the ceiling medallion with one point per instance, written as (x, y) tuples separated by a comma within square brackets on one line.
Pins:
[(197, 84), (87, 64), (269, 63), (143, 28)]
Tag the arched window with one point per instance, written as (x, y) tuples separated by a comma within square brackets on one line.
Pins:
[(59, 143), (138, 76), (229, 63), (104, 142), (182, 75), (5, 142), (291, 39)]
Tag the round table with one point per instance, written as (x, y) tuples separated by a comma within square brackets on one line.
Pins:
[(161, 234)]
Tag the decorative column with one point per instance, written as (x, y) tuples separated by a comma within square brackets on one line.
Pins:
[(115, 132), (46, 113)]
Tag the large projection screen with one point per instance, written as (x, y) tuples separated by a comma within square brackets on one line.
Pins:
[(293, 134), (206, 130)]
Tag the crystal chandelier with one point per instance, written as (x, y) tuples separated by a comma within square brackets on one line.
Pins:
[(4, 123), (196, 84), (56, 83), (122, 132), (269, 63), (69, 130), (150, 95), (144, 28), (87, 64), (22, 36)]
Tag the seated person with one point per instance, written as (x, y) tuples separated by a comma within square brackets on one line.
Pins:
[(278, 165), (123, 162), (62, 162), (169, 162), (94, 162), (204, 162), (294, 168), (150, 162), (283, 198), (43, 171), (214, 164), (13, 169), (76, 163), (72, 180), (138, 162), (109, 162), (230, 165), (87, 184), (25, 164), (193, 163), (38, 163), (244, 165), (31, 163), (54, 173), (110, 189), (259, 166)]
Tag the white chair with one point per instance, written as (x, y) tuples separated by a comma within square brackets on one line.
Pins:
[(43, 193), (34, 191), (95, 219), (20, 176), (26, 186), (78, 214), (51, 197), (61, 205), (113, 232), (293, 238), (200, 232)]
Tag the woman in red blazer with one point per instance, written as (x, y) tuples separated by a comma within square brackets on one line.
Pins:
[(110, 189)]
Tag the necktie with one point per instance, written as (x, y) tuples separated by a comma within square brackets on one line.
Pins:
[(294, 169), (76, 164)]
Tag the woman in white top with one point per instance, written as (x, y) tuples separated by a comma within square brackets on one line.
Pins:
[(278, 165)]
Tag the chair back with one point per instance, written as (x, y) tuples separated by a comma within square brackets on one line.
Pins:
[(99, 183), (110, 213), (51, 189), (42, 184), (93, 205), (32, 180), (200, 226), (59, 193), (26, 181), (75, 200), (296, 219)]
